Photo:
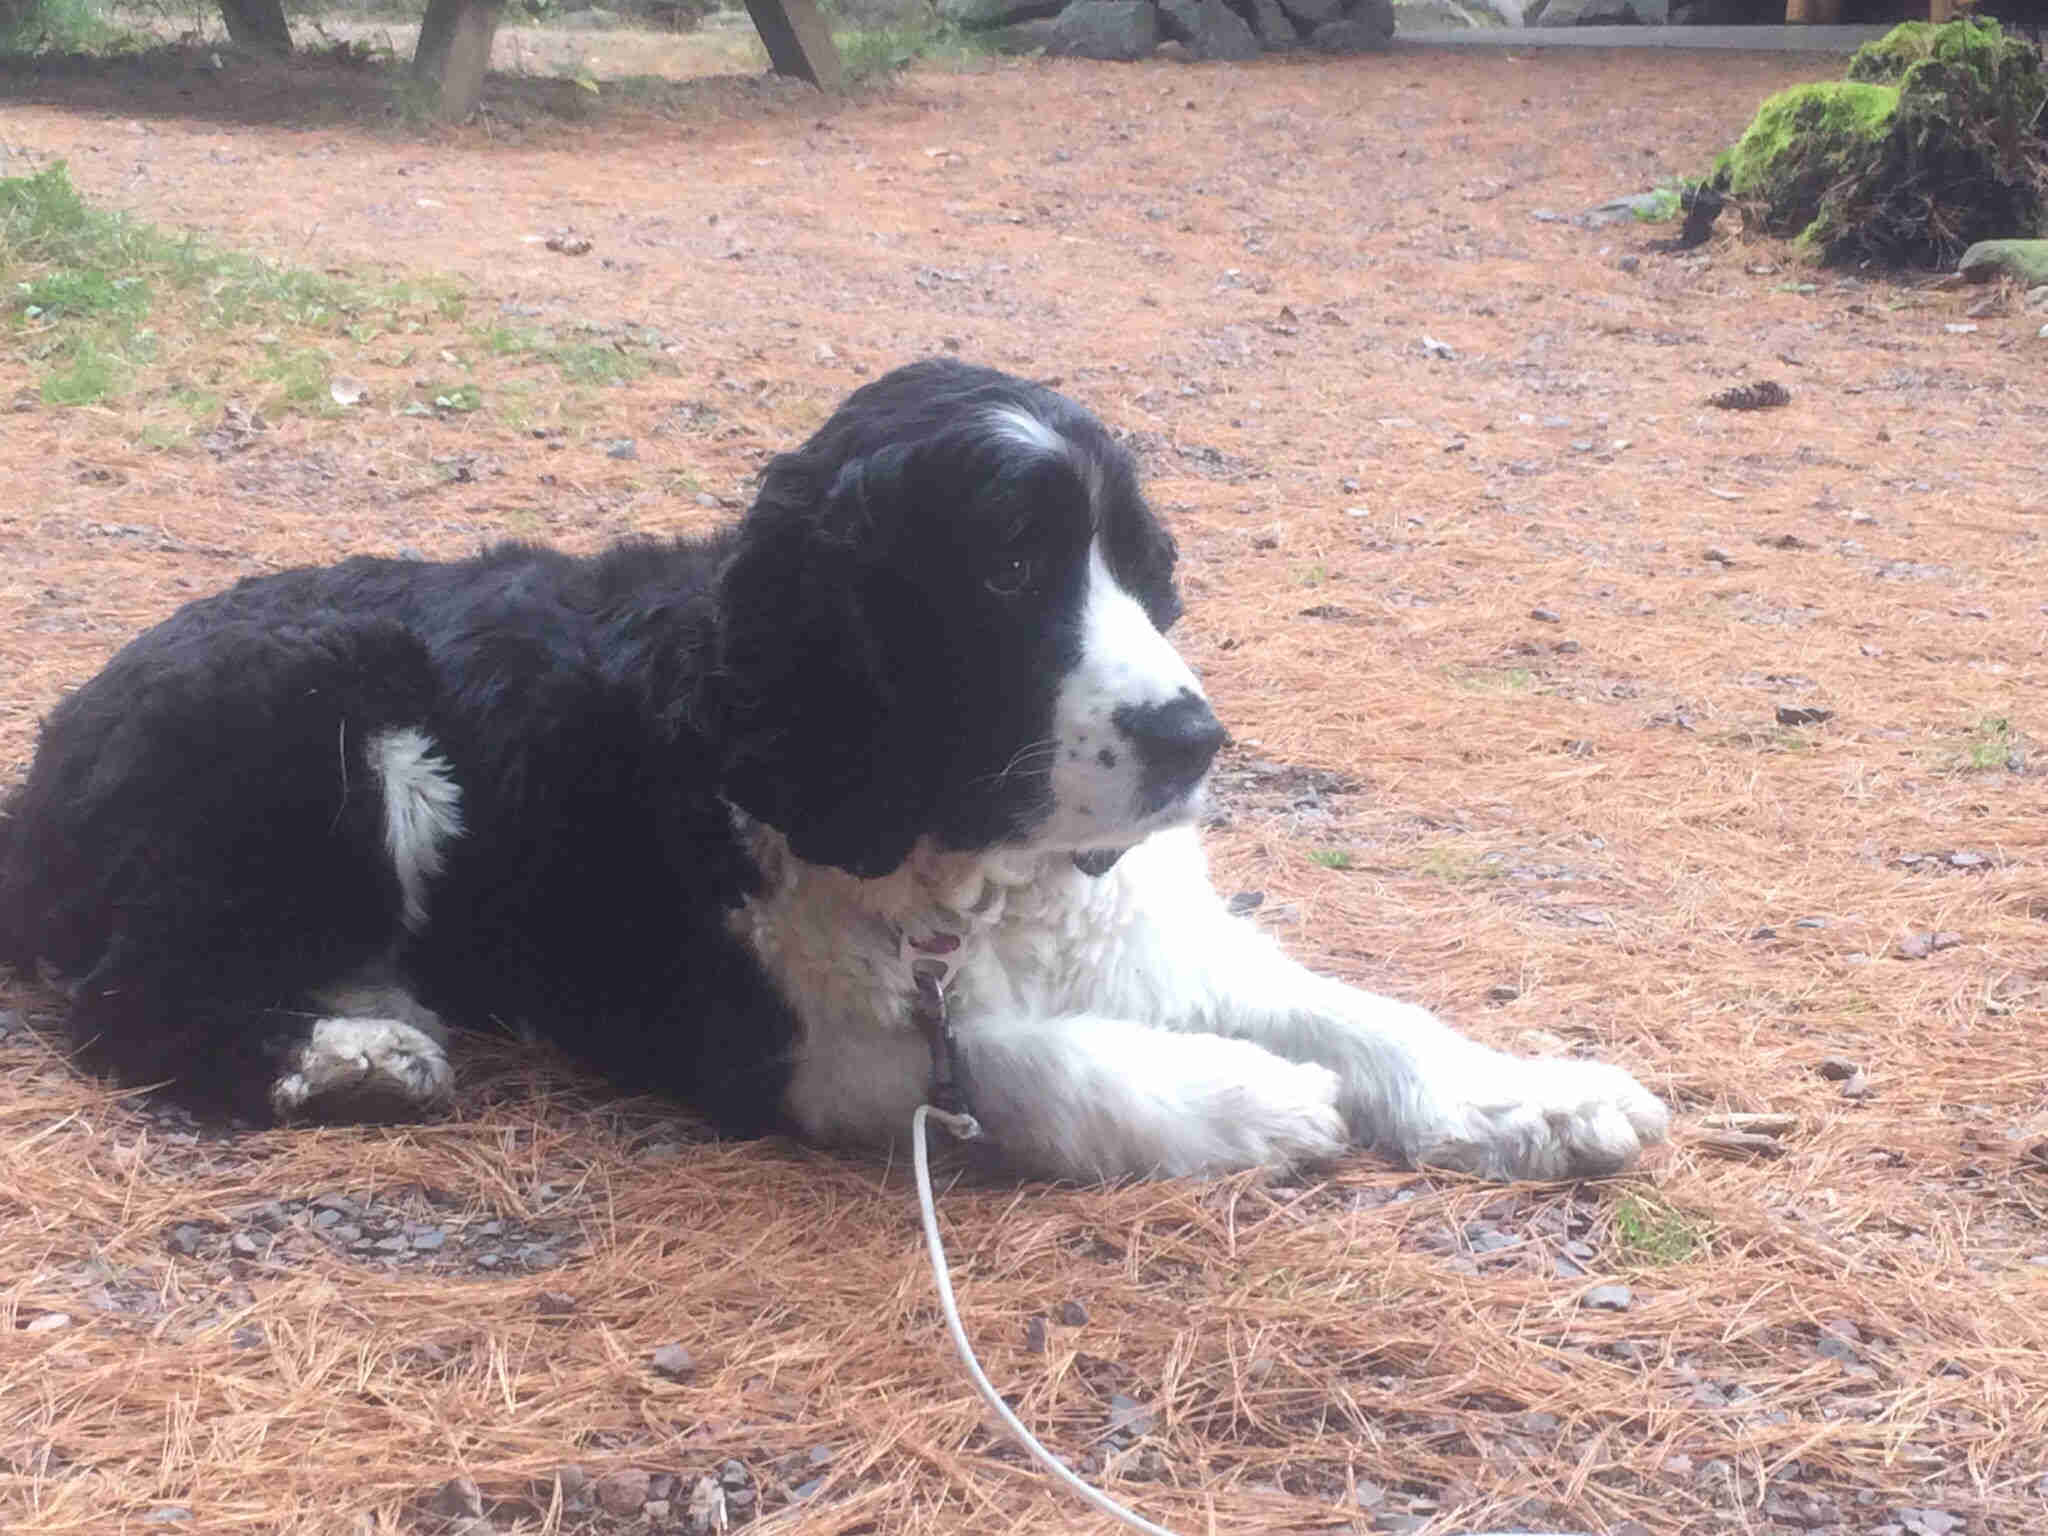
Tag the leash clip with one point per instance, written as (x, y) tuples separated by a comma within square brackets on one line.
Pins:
[(933, 962)]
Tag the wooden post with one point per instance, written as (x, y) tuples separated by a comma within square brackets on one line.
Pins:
[(1812, 13), (798, 41), (1939, 11), (454, 52), (257, 24)]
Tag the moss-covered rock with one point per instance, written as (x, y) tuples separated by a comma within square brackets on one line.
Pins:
[(1934, 141)]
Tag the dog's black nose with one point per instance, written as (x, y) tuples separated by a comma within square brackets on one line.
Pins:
[(1175, 741)]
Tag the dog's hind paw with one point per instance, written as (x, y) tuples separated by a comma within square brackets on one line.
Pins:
[(363, 1069)]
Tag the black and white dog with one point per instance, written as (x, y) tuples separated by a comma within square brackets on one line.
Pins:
[(702, 811)]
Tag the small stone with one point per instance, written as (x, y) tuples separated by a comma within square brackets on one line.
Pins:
[(456, 1498), (245, 1245), (554, 1304), (1034, 1334), (1946, 939), (169, 1514), (1072, 1314), (1628, 263), (1245, 901), (1963, 859), (1609, 1298), (733, 1473), (621, 448), (1717, 555), (1502, 993), (572, 1478), (623, 1491), (1545, 616), (674, 1362), (49, 1322), (1916, 946), (1858, 1087), (430, 1240), (1838, 1069), (1127, 1416), (1793, 714)]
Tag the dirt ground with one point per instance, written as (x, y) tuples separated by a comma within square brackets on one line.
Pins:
[(1598, 717)]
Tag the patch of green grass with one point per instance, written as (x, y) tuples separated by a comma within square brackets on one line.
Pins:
[(873, 53), (1502, 680), (1448, 861), (88, 376), (301, 378), (1990, 745), (1650, 1232), (597, 363), (62, 26), (99, 300), (1330, 858)]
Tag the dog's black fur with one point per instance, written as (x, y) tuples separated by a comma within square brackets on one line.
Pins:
[(200, 845)]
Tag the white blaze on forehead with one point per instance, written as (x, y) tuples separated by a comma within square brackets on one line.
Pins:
[(422, 811), (1015, 425), (1019, 426), (1098, 778), (1124, 659)]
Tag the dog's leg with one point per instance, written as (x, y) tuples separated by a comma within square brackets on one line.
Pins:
[(1408, 1083), (1097, 1098), (361, 1069)]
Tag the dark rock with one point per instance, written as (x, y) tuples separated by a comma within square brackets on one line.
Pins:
[(1610, 1298), (1209, 28), (1072, 1314), (1838, 1069), (623, 1491), (1106, 29), (1310, 14), (1359, 33), (980, 15), (457, 1498), (674, 1362), (1270, 26), (1792, 714), (1034, 1334)]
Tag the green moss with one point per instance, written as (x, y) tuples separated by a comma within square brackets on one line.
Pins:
[(1808, 123), (1934, 141)]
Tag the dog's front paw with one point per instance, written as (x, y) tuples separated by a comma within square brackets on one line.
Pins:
[(1542, 1119), (362, 1069)]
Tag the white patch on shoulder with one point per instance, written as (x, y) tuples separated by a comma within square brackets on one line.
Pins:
[(422, 811), (376, 1062)]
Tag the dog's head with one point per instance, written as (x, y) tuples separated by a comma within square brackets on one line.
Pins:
[(946, 618)]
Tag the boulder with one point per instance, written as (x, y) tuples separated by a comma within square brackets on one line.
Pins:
[(1310, 14), (1105, 29), (981, 15), (1209, 29), (1600, 13), (1368, 29), (1927, 147), (2025, 261), (1269, 24)]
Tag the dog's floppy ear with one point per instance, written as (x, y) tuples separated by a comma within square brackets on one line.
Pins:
[(813, 688)]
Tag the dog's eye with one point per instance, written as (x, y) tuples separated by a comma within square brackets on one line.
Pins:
[(1011, 577)]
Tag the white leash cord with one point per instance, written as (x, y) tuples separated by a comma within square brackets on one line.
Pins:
[(964, 1127), (982, 1384)]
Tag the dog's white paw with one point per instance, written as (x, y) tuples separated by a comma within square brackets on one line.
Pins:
[(1287, 1116), (1541, 1119), (363, 1069)]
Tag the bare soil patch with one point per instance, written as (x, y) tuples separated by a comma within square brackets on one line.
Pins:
[(1596, 716)]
